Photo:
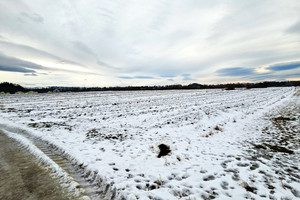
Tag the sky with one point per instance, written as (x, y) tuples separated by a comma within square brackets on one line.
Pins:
[(138, 42)]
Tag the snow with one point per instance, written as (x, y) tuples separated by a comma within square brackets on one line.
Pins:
[(116, 136)]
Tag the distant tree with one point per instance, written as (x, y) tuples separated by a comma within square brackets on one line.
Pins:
[(6, 87), (11, 88), (230, 87)]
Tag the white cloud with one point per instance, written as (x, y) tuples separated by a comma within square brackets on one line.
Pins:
[(159, 39)]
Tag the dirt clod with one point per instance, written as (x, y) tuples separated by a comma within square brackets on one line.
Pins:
[(164, 150)]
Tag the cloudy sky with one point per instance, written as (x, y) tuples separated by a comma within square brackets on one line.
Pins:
[(139, 42)]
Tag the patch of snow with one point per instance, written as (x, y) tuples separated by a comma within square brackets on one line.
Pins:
[(116, 135)]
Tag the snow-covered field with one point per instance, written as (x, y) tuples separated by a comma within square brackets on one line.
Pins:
[(220, 141)]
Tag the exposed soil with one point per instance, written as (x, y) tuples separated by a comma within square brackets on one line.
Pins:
[(163, 150)]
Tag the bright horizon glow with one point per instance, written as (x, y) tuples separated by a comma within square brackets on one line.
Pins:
[(162, 42)]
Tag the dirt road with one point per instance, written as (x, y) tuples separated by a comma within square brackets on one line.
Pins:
[(22, 178)]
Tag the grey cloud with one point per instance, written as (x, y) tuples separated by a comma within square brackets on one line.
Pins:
[(161, 16), (187, 78), (17, 64), (15, 69), (106, 13), (159, 67), (235, 71), (167, 76), (83, 48), (101, 63), (136, 77), (144, 77), (278, 77), (284, 66), (246, 58), (125, 77), (107, 16), (32, 74), (241, 18), (88, 51), (38, 52), (33, 16), (254, 76), (168, 73), (178, 35), (155, 39), (64, 61), (294, 28), (168, 68)]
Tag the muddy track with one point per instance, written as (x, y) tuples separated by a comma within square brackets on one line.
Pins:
[(23, 178), (85, 184), (77, 173)]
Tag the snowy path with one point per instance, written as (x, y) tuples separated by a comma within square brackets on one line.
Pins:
[(275, 155), (115, 137)]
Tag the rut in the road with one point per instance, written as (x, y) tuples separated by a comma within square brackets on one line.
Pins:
[(87, 185), (22, 178)]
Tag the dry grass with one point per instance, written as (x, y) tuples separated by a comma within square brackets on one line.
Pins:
[(209, 134), (217, 128)]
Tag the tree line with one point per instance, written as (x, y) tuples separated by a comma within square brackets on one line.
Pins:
[(6, 87)]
